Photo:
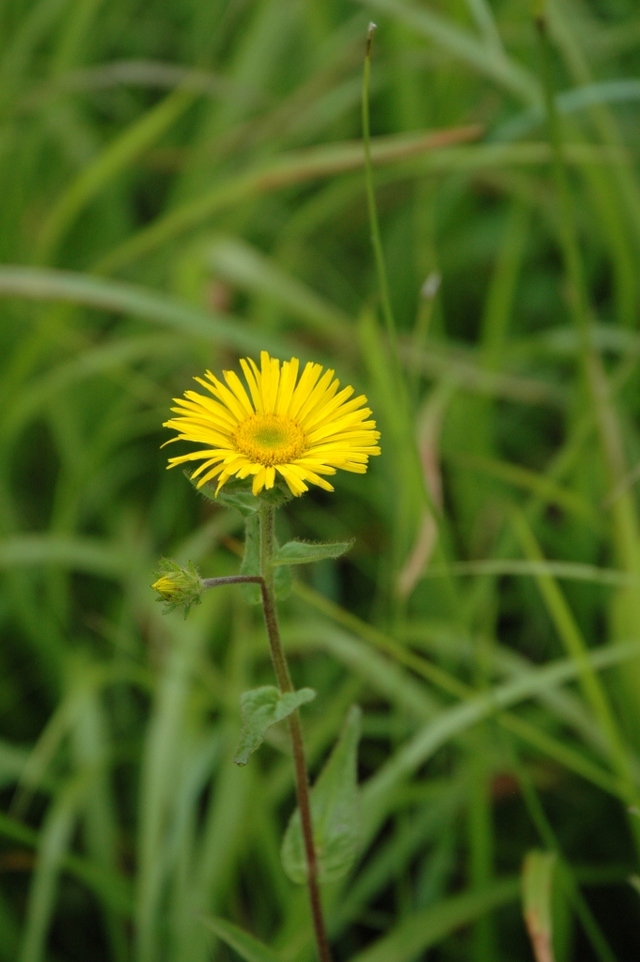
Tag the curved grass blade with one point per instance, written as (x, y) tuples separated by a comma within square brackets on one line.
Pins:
[(115, 158), (47, 284), (80, 554), (447, 35), (422, 930), (245, 945), (291, 168), (54, 841), (537, 881), (462, 717)]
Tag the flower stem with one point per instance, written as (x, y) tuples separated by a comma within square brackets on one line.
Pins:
[(376, 239), (267, 545)]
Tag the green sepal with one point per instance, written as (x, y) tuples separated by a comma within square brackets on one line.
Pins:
[(240, 499), (335, 813), (305, 552), (235, 494), (278, 495), (238, 494), (262, 708), (282, 580)]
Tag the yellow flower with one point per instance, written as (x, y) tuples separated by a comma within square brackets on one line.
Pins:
[(300, 429)]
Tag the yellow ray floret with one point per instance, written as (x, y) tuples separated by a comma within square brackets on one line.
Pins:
[(297, 428)]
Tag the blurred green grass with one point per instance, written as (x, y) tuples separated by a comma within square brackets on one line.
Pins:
[(182, 185)]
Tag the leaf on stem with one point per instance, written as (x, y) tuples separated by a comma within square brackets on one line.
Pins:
[(282, 582), (335, 813), (305, 552), (262, 708)]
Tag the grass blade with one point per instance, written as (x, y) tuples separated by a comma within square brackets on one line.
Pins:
[(425, 929), (245, 945)]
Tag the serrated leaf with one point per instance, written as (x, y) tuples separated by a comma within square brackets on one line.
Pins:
[(305, 552), (537, 881), (335, 813), (262, 708), (246, 946)]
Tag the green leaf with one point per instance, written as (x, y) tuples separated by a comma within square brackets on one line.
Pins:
[(246, 267), (246, 946), (262, 708), (305, 552), (335, 813), (419, 931), (463, 45), (116, 156), (537, 881), (289, 168), (282, 581)]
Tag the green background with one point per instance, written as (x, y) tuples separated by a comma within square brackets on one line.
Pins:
[(181, 184)]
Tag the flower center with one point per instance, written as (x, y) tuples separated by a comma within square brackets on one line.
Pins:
[(270, 439)]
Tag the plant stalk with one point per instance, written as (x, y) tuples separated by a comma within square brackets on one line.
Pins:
[(376, 239), (267, 545)]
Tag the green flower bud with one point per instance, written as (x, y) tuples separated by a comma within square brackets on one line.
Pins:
[(178, 587)]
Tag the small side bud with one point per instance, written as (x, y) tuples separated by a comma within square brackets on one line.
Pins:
[(178, 587)]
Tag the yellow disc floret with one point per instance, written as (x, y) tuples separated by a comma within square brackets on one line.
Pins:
[(165, 587), (270, 439), (300, 429)]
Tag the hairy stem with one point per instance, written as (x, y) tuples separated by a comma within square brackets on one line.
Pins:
[(267, 544)]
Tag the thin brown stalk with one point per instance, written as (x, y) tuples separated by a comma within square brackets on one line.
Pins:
[(267, 544)]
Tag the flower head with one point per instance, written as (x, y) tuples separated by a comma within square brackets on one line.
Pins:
[(300, 429)]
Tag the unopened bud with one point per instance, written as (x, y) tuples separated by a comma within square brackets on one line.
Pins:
[(178, 587)]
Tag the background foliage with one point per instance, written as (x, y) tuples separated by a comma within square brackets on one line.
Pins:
[(181, 184)]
